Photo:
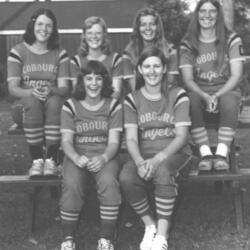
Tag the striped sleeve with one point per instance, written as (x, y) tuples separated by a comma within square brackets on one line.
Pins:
[(128, 67), (115, 115), (67, 117), (235, 46), (130, 112), (14, 66), (186, 56), (181, 109), (117, 66), (63, 65), (75, 65)]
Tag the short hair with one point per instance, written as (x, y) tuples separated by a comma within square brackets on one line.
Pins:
[(88, 23), (96, 68), (149, 52), (29, 36)]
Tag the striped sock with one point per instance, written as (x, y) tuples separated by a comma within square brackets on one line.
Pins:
[(69, 222), (200, 136), (226, 135), (141, 207), (109, 212), (164, 207)]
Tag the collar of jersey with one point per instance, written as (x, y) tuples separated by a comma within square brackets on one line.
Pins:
[(150, 96), (92, 107), (100, 58), (37, 52)]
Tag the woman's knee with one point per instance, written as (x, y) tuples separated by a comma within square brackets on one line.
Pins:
[(54, 103)]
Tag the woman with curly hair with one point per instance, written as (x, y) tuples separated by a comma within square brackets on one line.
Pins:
[(148, 32), (38, 75), (95, 45), (91, 122), (211, 63)]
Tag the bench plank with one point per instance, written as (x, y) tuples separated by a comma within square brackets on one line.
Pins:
[(24, 179)]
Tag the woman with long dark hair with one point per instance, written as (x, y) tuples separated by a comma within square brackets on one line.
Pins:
[(38, 75), (211, 62)]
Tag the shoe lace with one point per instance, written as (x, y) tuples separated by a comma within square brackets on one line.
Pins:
[(50, 163), (37, 163), (105, 244), (149, 234)]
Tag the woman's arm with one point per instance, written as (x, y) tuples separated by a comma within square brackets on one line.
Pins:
[(16, 90), (187, 75), (97, 162), (236, 68), (177, 143), (117, 86), (70, 152), (61, 89)]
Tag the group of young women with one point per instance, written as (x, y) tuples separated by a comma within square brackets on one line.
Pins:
[(155, 116)]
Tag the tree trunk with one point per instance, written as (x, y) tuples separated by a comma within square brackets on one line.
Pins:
[(228, 10)]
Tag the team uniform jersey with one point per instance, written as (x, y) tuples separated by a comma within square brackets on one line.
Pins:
[(207, 75), (91, 126), (112, 62), (130, 61), (37, 70), (156, 120)]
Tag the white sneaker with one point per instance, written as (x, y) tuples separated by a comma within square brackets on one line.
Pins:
[(68, 244), (148, 237), (50, 167), (36, 168), (104, 244), (159, 243)]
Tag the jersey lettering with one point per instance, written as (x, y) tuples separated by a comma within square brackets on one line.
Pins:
[(152, 134), (94, 125)]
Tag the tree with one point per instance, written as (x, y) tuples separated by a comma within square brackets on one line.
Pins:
[(174, 17)]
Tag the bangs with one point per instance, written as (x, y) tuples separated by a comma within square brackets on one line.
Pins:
[(94, 67)]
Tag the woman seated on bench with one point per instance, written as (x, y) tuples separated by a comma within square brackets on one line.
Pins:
[(211, 64), (156, 123), (38, 74), (91, 123)]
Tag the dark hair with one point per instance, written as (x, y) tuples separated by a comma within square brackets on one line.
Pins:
[(88, 23), (192, 35), (152, 51), (29, 36), (97, 68)]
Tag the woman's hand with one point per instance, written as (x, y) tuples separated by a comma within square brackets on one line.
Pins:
[(151, 166), (81, 161), (40, 94), (209, 102), (96, 163)]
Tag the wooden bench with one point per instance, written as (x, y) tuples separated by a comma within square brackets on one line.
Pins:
[(36, 187), (233, 178)]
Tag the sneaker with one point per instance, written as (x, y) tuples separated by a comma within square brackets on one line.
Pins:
[(36, 168), (68, 244), (50, 167), (148, 237), (104, 244), (206, 163), (221, 163), (159, 243)]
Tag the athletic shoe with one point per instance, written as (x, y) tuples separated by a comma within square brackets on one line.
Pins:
[(148, 237), (50, 167), (206, 163), (36, 169), (159, 243), (104, 244), (68, 244), (221, 163)]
